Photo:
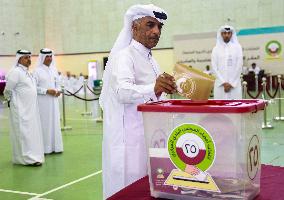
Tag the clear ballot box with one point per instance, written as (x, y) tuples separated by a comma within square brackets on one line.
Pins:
[(203, 149)]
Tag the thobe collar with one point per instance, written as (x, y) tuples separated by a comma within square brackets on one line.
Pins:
[(141, 48), (23, 67), (227, 44), (144, 51), (45, 66)]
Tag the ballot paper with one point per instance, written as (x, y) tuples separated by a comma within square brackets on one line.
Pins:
[(193, 83), (201, 176), (184, 180)]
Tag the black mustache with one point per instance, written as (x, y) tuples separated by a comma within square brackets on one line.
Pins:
[(156, 38)]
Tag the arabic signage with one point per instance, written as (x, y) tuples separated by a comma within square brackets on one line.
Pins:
[(263, 46)]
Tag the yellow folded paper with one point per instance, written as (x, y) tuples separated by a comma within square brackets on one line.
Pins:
[(208, 185), (193, 83)]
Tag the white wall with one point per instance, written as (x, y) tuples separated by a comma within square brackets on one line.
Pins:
[(25, 17), (89, 25), (78, 26), (72, 26)]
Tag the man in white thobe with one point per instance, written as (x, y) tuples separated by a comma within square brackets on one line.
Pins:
[(132, 77), (61, 79), (207, 70), (254, 69), (48, 90), (227, 62), (68, 82), (25, 126), (80, 81), (74, 82)]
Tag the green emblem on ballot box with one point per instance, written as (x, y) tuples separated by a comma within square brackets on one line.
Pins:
[(191, 144)]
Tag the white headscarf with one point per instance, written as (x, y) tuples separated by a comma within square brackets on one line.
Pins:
[(135, 12), (19, 54), (52, 67), (226, 28), (125, 36), (41, 57)]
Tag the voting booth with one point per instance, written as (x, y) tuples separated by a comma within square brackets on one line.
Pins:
[(203, 149)]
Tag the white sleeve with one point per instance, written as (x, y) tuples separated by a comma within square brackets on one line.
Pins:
[(57, 80), (40, 90), (12, 80), (123, 82), (257, 70), (214, 63), (239, 64)]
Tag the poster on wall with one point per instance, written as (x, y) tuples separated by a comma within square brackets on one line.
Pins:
[(263, 46)]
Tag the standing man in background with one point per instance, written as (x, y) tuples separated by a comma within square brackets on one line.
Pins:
[(60, 79), (48, 92), (132, 77), (254, 69), (74, 82), (81, 79), (227, 62), (207, 70), (68, 82), (25, 126), (80, 83)]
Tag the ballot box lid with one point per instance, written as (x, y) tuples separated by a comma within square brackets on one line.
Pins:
[(208, 106)]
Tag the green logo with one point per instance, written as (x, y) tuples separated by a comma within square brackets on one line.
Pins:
[(191, 144), (273, 48)]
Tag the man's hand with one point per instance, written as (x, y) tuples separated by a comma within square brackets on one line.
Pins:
[(58, 93), (165, 83), (227, 87), (51, 92), (192, 170)]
